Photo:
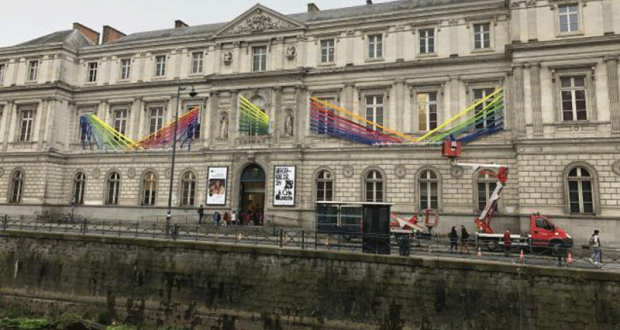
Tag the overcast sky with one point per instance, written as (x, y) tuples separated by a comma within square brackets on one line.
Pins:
[(24, 20)]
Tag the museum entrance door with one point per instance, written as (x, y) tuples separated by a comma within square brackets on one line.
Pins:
[(252, 196)]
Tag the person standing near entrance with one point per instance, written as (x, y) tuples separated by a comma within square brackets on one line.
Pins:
[(201, 213), (454, 240), (233, 218), (464, 240), (507, 243), (216, 218), (595, 243)]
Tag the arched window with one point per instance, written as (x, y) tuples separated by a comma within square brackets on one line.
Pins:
[(486, 185), (17, 187), (580, 191), (429, 191), (374, 186), (149, 188), (114, 188), (324, 186), (79, 183), (188, 189)]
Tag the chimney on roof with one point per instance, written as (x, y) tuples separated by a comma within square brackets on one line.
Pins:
[(369, 2), (312, 8), (110, 34), (179, 24), (89, 33)]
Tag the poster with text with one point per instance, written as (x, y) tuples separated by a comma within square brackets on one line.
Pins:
[(216, 186), (284, 186)]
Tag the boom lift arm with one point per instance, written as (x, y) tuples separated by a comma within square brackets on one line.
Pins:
[(452, 149)]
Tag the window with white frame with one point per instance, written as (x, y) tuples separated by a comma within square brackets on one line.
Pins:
[(427, 111), (160, 65), (328, 48), (17, 187), (429, 191), (33, 67), (580, 191), (188, 189), (259, 57), (427, 41), (120, 120), (125, 68), (486, 119), (375, 46), (374, 186), (573, 92), (486, 186), (568, 18), (156, 118), (79, 183), (2, 69), (197, 62), (324, 186), (374, 111), (482, 36), (149, 188), (26, 123), (92, 71), (114, 188)]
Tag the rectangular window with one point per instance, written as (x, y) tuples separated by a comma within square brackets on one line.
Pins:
[(197, 62), (33, 67), (374, 111), (120, 120), (92, 72), (427, 41), (156, 119), (160, 66), (2, 66), (125, 68), (568, 18), (427, 111), (327, 51), (486, 120), (573, 90), (375, 46), (25, 129), (259, 58), (482, 36)]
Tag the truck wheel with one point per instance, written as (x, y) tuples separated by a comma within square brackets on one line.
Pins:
[(492, 245)]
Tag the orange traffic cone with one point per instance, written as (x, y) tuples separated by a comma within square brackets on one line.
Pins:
[(521, 258), (479, 253), (569, 260)]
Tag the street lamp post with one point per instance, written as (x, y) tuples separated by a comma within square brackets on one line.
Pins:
[(192, 93)]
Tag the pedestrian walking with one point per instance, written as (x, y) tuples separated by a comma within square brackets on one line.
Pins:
[(454, 240), (464, 240), (227, 218), (507, 243), (201, 213), (233, 218), (216, 218), (595, 244)]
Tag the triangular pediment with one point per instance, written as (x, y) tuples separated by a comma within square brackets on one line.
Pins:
[(258, 19)]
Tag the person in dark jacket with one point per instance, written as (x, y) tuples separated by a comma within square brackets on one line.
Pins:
[(201, 213), (507, 243), (464, 240), (454, 240)]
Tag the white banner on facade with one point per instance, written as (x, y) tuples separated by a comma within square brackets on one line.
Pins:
[(284, 186), (216, 186)]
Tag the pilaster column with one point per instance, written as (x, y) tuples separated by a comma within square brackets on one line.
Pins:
[(233, 126), (398, 120), (532, 27), (400, 43), (217, 58), (209, 120), (608, 21), (9, 112), (519, 104), (454, 97), (278, 118), (537, 118), (350, 47), (614, 93), (348, 97), (302, 128)]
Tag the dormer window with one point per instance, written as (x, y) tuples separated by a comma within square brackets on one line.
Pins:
[(33, 67), (92, 72)]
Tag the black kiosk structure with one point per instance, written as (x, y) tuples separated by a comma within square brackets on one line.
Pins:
[(369, 221)]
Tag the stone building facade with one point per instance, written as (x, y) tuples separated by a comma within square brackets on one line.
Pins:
[(408, 64)]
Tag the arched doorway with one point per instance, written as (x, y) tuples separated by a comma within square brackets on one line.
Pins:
[(252, 192)]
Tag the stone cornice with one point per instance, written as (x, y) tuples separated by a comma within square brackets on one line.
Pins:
[(560, 43)]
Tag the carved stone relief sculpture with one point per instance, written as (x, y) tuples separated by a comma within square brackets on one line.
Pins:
[(291, 52), (289, 124), (224, 127), (228, 58)]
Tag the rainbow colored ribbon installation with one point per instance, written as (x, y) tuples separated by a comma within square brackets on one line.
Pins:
[(252, 119), (106, 137), (487, 118)]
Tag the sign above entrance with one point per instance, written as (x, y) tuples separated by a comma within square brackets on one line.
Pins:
[(284, 186), (216, 186)]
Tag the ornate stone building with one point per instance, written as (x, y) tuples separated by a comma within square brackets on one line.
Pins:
[(407, 64)]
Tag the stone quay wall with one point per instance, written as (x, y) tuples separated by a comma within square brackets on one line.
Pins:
[(206, 286)]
